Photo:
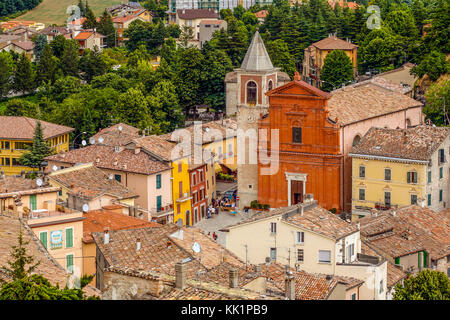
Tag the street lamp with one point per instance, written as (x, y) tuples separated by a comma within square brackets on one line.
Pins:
[(73, 142)]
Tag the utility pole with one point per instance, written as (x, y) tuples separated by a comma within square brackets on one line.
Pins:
[(289, 258), (246, 255)]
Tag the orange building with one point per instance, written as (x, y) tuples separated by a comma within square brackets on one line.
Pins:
[(310, 161)]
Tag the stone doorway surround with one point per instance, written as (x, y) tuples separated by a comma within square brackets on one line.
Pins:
[(291, 176)]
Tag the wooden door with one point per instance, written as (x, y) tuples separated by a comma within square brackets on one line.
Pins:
[(296, 191)]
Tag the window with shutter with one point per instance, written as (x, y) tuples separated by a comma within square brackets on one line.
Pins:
[(158, 181), (429, 200), (69, 263), (273, 253), (387, 198), (362, 171), (158, 203), (297, 135), (300, 255), (273, 227), (69, 238), (362, 194), (429, 176), (43, 238), (387, 174), (325, 256), (300, 237)]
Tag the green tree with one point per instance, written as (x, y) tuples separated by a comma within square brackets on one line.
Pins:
[(24, 75), (69, 59), (38, 151), (91, 64), (280, 56), (91, 20), (132, 108), (39, 43), (6, 71), (21, 107), (106, 28), (433, 65), (58, 44), (238, 12), (337, 70), (438, 102), (427, 285), (47, 66)]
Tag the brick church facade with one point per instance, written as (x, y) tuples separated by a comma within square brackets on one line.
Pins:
[(310, 161)]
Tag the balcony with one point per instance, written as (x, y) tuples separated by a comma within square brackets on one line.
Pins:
[(183, 197)]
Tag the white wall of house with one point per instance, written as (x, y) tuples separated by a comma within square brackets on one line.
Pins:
[(438, 183)]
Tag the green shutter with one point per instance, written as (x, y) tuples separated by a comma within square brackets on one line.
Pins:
[(43, 238), (408, 177), (397, 261), (424, 259), (33, 202), (69, 238), (158, 181), (158, 203), (69, 263)]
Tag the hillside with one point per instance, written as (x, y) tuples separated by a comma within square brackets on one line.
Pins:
[(54, 11)]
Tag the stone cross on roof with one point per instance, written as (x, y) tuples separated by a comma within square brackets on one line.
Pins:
[(257, 58)]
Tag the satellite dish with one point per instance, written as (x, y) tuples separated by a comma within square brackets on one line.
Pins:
[(83, 143), (196, 247), (39, 182), (120, 128), (179, 223), (92, 140), (85, 207), (55, 168), (111, 176), (101, 139)]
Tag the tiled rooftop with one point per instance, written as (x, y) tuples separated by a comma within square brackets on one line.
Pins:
[(48, 267), (411, 230), (98, 220), (23, 128), (90, 182), (159, 147), (11, 185), (126, 160), (334, 43), (353, 104), (417, 143), (112, 136)]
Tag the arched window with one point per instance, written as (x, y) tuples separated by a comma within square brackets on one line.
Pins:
[(251, 92), (270, 85), (356, 140)]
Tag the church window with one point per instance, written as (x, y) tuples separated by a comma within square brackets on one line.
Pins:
[(251, 92)]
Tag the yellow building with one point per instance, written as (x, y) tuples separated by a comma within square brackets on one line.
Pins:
[(399, 167), (16, 133), (316, 53)]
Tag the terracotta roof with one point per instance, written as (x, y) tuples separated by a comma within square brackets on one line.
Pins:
[(159, 147), (9, 37), (386, 84), (50, 30), (19, 128), (48, 267), (11, 186), (412, 229), (112, 136), (306, 86), (190, 14), (261, 14), (418, 143), (394, 273), (90, 182), (25, 45), (98, 220), (314, 218), (334, 43), (342, 3), (78, 21), (83, 35), (126, 160), (126, 18), (353, 104)]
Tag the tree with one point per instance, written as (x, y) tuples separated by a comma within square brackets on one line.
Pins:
[(337, 70), (82, 8), (91, 64), (34, 287), (91, 20), (39, 43), (438, 102), (280, 56), (132, 108), (38, 151), (69, 59), (106, 28), (433, 65), (20, 107), (6, 71), (427, 285), (238, 11), (46, 68), (24, 76)]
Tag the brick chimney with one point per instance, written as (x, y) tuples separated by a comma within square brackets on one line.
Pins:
[(233, 278), (289, 285), (137, 149), (180, 275)]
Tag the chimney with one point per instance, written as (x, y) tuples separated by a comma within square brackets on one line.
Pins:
[(297, 76), (180, 275), (138, 244), (393, 213), (106, 237), (233, 278), (289, 286), (302, 209), (137, 149)]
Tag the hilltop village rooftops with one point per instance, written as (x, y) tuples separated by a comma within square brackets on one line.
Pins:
[(346, 105), (112, 136), (98, 220), (159, 147), (418, 143), (22, 128), (11, 185), (48, 266), (410, 230), (313, 218), (90, 182), (106, 157)]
